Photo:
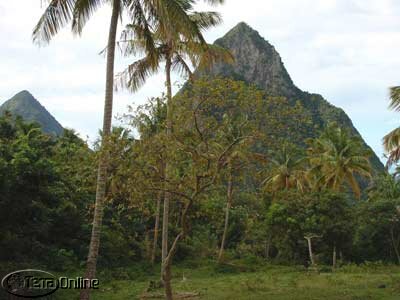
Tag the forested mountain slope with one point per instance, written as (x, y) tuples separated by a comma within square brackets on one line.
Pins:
[(25, 105), (257, 62)]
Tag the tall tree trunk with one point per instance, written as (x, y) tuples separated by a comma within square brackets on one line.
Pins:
[(395, 245), (228, 207), (103, 161), (156, 227), (167, 195), (334, 257)]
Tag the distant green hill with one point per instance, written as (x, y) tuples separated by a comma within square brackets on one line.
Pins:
[(257, 62), (25, 105)]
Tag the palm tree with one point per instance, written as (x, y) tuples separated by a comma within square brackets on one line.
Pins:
[(169, 43), (338, 157), (286, 170), (58, 14), (391, 142)]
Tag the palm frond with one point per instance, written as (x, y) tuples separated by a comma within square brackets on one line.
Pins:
[(214, 54), (214, 2), (141, 28), (136, 74), (175, 15), (391, 141), (83, 10), (179, 65), (395, 98), (391, 144), (134, 41), (206, 20), (354, 185), (57, 14)]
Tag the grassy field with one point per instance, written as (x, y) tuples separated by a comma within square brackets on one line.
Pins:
[(240, 282), (266, 282)]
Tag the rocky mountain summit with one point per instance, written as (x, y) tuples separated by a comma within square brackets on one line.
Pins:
[(258, 62)]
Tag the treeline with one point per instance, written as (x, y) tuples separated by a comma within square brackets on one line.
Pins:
[(46, 189), (235, 189)]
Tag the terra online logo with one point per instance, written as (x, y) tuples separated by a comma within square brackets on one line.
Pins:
[(32, 283)]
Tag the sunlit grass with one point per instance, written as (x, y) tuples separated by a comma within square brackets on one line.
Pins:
[(269, 282)]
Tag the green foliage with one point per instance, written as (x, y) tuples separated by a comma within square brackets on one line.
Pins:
[(292, 216), (221, 131), (378, 229), (45, 188)]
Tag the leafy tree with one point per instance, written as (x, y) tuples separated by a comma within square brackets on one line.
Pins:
[(46, 185), (149, 120), (169, 43), (293, 216), (201, 144), (378, 228), (61, 12)]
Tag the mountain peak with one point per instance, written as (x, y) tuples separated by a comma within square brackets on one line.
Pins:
[(25, 105), (24, 93), (256, 61), (242, 27)]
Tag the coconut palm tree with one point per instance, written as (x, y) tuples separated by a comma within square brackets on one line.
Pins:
[(286, 170), (391, 141), (338, 157), (60, 13), (170, 46)]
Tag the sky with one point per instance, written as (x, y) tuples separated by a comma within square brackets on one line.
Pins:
[(345, 50)]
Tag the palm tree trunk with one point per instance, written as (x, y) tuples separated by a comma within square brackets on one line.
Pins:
[(156, 226), (167, 195), (103, 161), (165, 268), (228, 207)]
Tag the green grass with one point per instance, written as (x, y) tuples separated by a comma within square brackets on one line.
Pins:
[(267, 282), (258, 282)]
